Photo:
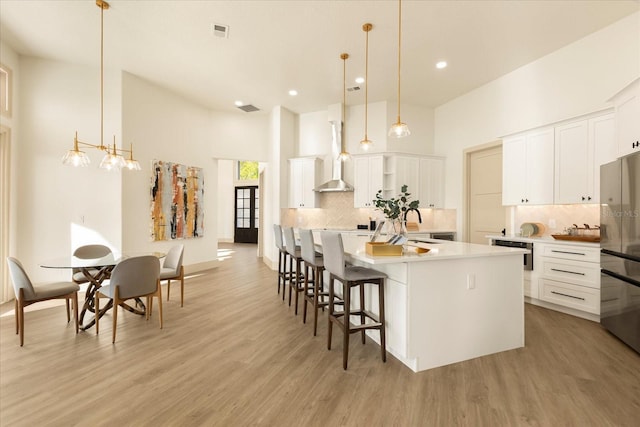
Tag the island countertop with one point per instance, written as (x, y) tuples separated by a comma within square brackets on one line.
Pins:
[(354, 246)]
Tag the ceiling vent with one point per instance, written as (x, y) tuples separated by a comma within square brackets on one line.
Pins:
[(220, 30), (354, 88), (249, 108)]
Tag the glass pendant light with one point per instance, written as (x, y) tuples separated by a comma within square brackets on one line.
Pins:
[(399, 129), (366, 143), (75, 157)]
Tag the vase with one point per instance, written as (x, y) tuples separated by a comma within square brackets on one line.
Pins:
[(396, 227)]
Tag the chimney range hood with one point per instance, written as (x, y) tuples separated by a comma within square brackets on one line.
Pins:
[(337, 183)]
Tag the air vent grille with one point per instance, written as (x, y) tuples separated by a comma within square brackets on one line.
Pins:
[(220, 30), (248, 108)]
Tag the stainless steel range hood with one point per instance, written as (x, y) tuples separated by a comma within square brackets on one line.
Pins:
[(337, 183)]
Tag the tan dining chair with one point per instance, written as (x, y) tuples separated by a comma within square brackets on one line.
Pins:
[(172, 269), (88, 252), (131, 278), (28, 293)]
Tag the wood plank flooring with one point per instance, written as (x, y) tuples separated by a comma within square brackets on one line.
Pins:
[(236, 355)]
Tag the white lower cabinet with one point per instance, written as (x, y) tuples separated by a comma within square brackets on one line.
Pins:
[(569, 276)]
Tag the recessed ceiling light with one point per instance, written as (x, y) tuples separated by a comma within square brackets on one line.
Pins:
[(359, 80), (293, 92), (239, 103), (441, 64)]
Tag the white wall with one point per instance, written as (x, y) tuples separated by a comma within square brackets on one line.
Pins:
[(226, 200), (576, 79), (61, 207), (164, 126), (241, 136)]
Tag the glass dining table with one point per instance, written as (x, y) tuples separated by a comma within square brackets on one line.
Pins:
[(96, 271)]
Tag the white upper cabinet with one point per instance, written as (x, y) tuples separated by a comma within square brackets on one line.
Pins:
[(303, 178), (368, 178), (405, 171), (581, 147), (627, 111), (528, 168), (431, 187)]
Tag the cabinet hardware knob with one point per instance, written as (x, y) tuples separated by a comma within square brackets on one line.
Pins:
[(589, 198), (583, 198)]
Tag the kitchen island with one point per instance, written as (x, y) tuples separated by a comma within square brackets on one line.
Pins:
[(456, 302)]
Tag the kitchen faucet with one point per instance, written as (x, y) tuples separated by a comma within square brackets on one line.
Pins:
[(413, 209)]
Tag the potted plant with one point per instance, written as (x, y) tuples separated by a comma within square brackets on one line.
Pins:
[(395, 209)]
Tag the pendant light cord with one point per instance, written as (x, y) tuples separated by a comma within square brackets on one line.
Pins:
[(102, 7), (367, 28), (399, 45)]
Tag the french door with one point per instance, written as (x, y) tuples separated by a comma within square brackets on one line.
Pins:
[(247, 204)]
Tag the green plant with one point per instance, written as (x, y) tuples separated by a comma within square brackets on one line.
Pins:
[(396, 208)]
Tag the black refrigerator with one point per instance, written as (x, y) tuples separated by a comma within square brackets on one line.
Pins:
[(620, 248)]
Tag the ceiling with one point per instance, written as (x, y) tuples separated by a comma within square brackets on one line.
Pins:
[(275, 46)]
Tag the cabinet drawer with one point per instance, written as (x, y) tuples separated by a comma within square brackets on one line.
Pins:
[(582, 273), (568, 295), (576, 253)]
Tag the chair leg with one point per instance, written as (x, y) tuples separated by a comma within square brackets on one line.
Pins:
[(383, 346), (280, 276), (291, 278), (116, 303), (15, 310), (284, 275), (147, 312), (66, 300), (20, 315), (159, 303), (75, 310), (362, 316), (298, 269), (304, 293), (168, 288), (96, 306), (181, 286), (330, 314), (317, 286), (347, 330)]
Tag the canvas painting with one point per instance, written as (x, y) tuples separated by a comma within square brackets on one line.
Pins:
[(177, 194)]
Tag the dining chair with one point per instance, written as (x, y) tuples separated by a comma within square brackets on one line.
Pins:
[(172, 269), (88, 252), (352, 277), (131, 278), (28, 293), (283, 276)]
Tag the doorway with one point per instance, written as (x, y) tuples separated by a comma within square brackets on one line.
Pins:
[(485, 213), (247, 206)]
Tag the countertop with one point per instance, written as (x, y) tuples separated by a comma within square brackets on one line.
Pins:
[(354, 246), (543, 239), (370, 232)]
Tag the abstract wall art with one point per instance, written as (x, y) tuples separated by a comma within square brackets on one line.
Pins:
[(177, 196)]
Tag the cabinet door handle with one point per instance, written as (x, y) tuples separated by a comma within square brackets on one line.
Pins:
[(588, 197), (567, 295), (566, 252), (583, 198), (567, 271)]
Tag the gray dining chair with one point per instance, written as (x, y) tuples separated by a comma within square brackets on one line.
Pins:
[(88, 252), (172, 269), (28, 293), (352, 277), (131, 278)]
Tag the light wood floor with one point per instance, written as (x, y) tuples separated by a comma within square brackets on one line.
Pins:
[(235, 355)]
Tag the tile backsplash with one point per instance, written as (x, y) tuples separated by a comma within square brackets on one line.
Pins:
[(337, 211), (563, 215)]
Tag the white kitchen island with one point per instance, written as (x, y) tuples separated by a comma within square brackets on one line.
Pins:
[(457, 302)]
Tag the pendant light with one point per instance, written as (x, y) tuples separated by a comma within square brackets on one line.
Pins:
[(113, 159), (344, 154), (399, 129), (366, 143)]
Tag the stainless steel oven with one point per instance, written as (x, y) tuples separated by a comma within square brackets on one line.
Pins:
[(528, 257)]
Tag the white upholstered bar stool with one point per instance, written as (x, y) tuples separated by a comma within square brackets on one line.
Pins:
[(351, 277), (314, 294), (296, 278), (283, 276)]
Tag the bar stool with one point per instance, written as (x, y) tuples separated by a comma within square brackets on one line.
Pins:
[(351, 277), (295, 277), (314, 261), (282, 259)]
